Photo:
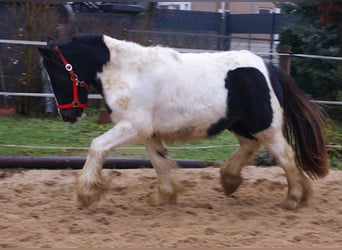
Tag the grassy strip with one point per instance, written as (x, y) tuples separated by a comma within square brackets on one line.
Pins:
[(51, 132), (18, 130)]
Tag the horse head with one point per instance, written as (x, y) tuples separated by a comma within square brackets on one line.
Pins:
[(72, 64)]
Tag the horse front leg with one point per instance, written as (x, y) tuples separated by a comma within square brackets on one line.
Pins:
[(91, 184), (166, 170)]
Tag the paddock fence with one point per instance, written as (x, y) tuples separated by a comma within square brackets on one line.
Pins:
[(286, 57)]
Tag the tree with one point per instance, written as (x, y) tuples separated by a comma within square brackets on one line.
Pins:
[(316, 32), (331, 13), (34, 22)]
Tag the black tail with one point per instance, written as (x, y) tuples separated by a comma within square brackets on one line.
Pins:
[(304, 124)]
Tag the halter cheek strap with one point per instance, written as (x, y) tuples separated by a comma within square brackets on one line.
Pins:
[(75, 83)]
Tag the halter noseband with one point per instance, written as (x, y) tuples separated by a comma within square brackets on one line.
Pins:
[(75, 83)]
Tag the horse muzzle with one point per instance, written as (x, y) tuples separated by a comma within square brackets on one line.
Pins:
[(72, 115)]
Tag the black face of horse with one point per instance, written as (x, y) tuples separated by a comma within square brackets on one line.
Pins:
[(63, 85), (62, 88), (71, 63)]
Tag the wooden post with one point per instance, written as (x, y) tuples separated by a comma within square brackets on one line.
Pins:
[(104, 116), (284, 60)]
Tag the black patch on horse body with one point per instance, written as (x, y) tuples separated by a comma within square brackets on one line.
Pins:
[(249, 108), (218, 126)]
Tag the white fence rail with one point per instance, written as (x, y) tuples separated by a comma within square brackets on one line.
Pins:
[(7, 94), (97, 96), (183, 50), (94, 96)]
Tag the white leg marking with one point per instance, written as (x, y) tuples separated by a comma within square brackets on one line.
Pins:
[(231, 168), (166, 170), (299, 186), (90, 182)]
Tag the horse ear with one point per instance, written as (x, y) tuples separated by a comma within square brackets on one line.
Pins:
[(50, 42)]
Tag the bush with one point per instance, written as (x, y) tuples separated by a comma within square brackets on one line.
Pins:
[(334, 144)]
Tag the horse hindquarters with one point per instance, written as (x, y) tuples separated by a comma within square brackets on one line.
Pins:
[(303, 121), (249, 111), (254, 113)]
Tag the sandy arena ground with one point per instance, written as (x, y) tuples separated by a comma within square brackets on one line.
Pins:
[(38, 209)]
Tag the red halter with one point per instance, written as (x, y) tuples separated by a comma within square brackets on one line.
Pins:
[(75, 83)]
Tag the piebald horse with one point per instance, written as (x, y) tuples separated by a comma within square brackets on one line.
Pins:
[(157, 95)]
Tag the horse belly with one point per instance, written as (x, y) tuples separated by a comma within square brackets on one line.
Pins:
[(183, 123)]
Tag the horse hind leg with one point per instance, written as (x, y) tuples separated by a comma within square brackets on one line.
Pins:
[(299, 186), (166, 169), (231, 169)]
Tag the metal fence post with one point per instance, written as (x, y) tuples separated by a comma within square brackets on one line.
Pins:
[(284, 59)]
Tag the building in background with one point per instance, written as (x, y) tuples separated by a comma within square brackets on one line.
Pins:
[(252, 41), (215, 25), (223, 6), (175, 5)]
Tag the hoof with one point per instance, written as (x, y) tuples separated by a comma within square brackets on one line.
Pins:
[(85, 200), (169, 198), (298, 196), (290, 203), (90, 192), (168, 194), (230, 183), (159, 199)]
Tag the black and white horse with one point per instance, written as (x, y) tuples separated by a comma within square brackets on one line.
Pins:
[(156, 95)]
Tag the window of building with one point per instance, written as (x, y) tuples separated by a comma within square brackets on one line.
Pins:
[(175, 5), (263, 10)]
